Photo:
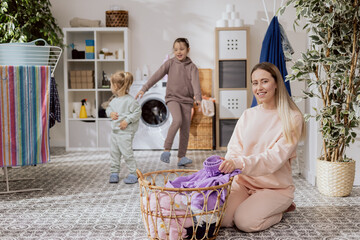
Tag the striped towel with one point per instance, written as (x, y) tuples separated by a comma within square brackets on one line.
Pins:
[(24, 115)]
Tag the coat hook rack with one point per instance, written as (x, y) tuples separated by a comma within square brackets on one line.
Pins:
[(267, 19)]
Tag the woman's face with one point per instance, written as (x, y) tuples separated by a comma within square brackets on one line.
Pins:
[(264, 88), (180, 50)]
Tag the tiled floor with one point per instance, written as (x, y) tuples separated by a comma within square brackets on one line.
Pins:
[(77, 202)]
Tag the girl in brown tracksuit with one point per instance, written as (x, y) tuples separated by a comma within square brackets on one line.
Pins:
[(182, 86)]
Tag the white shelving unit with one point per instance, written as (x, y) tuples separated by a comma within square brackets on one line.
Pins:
[(232, 81), (92, 133)]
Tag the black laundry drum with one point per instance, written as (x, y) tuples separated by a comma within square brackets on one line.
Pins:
[(154, 112)]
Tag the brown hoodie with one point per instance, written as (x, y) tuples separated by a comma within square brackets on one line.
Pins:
[(183, 80)]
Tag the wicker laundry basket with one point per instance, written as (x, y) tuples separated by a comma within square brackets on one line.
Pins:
[(180, 220)]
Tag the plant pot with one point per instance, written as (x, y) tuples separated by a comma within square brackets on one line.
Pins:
[(335, 179)]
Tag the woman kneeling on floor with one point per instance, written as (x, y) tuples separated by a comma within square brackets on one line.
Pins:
[(262, 146)]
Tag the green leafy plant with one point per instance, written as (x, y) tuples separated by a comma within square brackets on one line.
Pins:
[(26, 20), (331, 69)]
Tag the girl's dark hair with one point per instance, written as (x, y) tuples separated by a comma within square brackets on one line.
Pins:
[(182, 40)]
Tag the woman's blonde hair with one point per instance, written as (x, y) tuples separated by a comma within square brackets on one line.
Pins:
[(284, 103), (121, 82)]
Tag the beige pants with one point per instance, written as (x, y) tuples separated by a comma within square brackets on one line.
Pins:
[(181, 119), (254, 210)]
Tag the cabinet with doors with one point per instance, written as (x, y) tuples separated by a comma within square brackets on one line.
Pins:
[(232, 88), (85, 77)]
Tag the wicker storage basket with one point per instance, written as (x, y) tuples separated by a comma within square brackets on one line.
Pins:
[(335, 179), (116, 18), (199, 224), (201, 131)]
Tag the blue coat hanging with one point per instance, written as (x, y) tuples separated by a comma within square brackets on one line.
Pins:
[(272, 52)]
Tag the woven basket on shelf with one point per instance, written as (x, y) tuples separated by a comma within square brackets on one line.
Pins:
[(182, 221), (116, 18), (201, 131), (335, 179)]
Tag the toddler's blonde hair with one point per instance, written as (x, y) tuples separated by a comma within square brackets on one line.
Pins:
[(121, 82)]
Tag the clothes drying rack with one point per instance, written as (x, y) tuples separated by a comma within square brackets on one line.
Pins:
[(24, 54), (7, 180), (27, 55)]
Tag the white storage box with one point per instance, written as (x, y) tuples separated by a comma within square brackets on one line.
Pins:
[(232, 44), (232, 103)]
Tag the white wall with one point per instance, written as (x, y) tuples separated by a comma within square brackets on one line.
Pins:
[(313, 148), (155, 24), (353, 152)]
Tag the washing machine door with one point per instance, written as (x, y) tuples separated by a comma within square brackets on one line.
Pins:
[(154, 124), (154, 112)]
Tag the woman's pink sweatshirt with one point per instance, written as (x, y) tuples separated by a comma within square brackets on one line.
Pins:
[(183, 82), (258, 143)]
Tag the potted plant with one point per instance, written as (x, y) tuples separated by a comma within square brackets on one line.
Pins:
[(330, 68), (25, 21), (101, 54)]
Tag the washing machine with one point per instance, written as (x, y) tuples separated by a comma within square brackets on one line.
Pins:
[(155, 118)]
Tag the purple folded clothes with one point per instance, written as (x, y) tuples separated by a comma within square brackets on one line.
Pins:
[(211, 166), (209, 176)]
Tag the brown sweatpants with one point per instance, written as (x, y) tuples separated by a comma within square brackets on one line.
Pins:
[(181, 119), (254, 210)]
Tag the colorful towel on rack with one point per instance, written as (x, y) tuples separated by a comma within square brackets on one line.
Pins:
[(24, 115)]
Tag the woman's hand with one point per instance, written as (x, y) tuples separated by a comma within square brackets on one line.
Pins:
[(140, 94), (114, 115), (227, 166)]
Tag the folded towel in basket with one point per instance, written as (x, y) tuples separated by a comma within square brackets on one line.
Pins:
[(168, 205)]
